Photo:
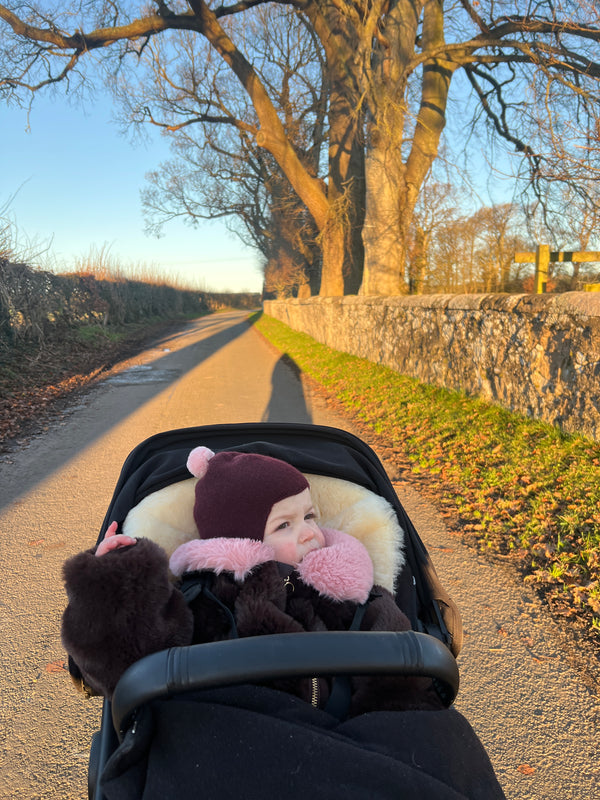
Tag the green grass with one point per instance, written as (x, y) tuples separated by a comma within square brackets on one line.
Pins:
[(94, 335), (521, 487)]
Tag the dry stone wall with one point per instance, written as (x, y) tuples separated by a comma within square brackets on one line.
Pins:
[(535, 354)]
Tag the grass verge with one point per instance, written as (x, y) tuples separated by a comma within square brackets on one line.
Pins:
[(520, 488)]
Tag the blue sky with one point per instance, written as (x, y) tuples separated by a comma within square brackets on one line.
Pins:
[(75, 183)]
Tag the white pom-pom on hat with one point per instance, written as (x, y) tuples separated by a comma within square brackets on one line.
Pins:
[(198, 459)]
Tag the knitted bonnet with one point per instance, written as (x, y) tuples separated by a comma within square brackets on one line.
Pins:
[(236, 491)]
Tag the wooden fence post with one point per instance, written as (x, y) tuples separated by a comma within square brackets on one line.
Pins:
[(542, 260)]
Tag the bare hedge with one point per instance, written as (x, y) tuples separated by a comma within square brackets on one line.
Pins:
[(38, 306)]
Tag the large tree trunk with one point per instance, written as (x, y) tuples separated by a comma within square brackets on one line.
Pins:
[(393, 186), (332, 274), (385, 246), (342, 240), (417, 266)]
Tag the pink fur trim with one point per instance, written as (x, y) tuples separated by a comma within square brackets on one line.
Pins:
[(239, 556), (198, 459), (342, 570)]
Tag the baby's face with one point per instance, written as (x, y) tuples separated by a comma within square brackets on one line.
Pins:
[(292, 529)]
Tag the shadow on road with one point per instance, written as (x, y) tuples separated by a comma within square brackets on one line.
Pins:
[(149, 380), (286, 377)]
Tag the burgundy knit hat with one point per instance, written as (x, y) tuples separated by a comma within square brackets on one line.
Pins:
[(236, 491)]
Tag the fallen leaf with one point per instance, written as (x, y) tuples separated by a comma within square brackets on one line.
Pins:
[(56, 666), (525, 769)]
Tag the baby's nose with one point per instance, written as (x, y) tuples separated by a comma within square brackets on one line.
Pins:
[(308, 532)]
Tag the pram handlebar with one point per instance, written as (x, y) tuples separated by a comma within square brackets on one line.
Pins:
[(287, 655)]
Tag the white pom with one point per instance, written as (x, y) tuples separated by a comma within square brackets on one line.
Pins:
[(198, 459)]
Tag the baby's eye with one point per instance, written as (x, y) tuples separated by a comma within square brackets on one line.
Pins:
[(283, 525), (310, 515)]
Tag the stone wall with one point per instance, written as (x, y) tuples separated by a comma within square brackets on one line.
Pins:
[(535, 354)]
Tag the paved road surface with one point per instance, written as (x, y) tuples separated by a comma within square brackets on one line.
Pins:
[(533, 713)]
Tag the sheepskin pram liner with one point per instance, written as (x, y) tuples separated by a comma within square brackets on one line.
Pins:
[(255, 742)]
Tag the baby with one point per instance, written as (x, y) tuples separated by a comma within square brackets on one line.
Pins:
[(291, 527), (261, 565), (291, 530)]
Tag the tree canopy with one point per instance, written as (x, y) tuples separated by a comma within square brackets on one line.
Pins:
[(395, 71)]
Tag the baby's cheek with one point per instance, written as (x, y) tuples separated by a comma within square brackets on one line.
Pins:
[(284, 551)]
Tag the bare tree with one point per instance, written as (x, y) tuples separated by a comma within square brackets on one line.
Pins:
[(451, 262), (218, 170), (434, 211), (474, 253), (390, 66), (497, 243)]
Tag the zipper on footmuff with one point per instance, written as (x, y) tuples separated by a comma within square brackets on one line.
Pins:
[(314, 698), (314, 694)]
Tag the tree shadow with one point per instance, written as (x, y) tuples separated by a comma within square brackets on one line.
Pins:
[(151, 379), (287, 402)]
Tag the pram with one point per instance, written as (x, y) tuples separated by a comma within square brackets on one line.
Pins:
[(202, 720)]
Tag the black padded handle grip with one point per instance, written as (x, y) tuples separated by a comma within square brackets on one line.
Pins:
[(287, 655)]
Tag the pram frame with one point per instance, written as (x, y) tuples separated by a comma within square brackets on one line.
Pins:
[(425, 651)]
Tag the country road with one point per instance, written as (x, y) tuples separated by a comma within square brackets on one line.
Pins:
[(531, 709)]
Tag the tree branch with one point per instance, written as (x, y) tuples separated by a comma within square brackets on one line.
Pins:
[(499, 121), (80, 42)]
